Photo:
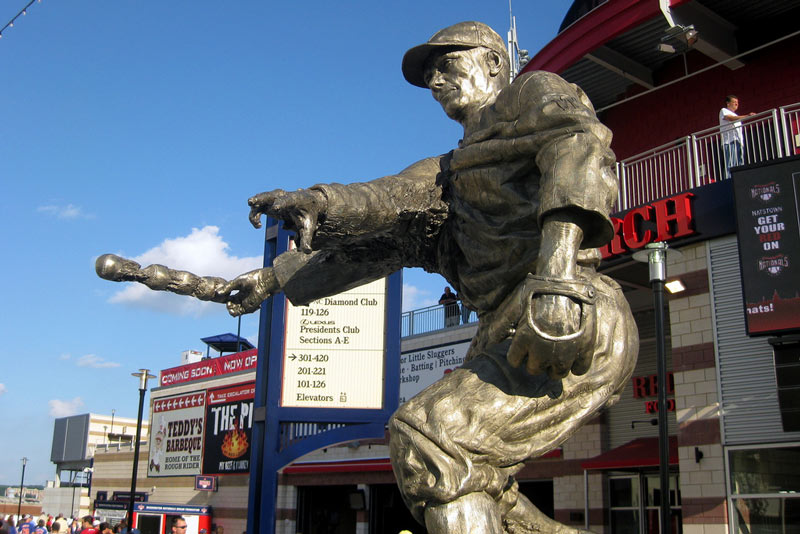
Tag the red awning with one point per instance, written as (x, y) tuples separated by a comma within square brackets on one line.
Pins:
[(641, 452)]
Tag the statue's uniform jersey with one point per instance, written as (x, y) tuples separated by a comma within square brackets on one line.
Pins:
[(474, 215), (540, 148)]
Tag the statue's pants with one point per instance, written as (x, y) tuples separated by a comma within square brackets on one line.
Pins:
[(470, 431)]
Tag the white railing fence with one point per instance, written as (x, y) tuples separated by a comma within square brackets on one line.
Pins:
[(699, 159)]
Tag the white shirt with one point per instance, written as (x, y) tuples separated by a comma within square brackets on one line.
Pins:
[(731, 130)]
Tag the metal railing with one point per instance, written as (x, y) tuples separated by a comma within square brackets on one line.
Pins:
[(699, 158), (430, 319)]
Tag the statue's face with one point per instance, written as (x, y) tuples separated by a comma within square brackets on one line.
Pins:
[(460, 80)]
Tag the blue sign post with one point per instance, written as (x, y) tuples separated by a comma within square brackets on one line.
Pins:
[(282, 434)]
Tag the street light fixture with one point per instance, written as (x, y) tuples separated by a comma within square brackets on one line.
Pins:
[(21, 484), (143, 375), (655, 255)]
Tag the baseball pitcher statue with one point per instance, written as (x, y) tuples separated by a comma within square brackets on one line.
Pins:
[(511, 218)]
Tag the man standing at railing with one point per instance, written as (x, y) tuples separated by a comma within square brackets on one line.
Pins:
[(731, 131)]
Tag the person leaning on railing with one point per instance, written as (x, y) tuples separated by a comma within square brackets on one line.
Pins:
[(731, 131)]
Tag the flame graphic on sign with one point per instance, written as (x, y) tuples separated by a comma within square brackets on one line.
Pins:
[(235, 443)]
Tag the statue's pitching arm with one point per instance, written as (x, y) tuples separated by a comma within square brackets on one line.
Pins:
[(357, 211), (162, 278), (245, 293)]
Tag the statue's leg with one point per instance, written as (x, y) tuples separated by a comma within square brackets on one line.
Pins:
[(525, 518), (470, 432), (474, 512)]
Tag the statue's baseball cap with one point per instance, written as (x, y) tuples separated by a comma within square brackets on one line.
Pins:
[(463, 36)]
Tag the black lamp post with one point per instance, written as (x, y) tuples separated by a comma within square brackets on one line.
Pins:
[(143, 375), (655, 254), (21, 484)]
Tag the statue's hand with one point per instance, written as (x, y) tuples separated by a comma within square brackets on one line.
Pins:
[(300, 210), (556, 315), (551, 326), (251, 290)]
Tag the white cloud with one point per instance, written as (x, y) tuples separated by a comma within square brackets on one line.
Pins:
[(70, 211), (3, 388), (415, 298), (202, 252), (65, 408), (65, 356), (94, 361)]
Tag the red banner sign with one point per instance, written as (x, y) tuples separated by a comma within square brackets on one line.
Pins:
[(662, 220), (231, 363)]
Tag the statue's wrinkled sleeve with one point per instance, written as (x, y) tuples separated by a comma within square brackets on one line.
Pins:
[(369, 230), (548, 119), (383, 206)]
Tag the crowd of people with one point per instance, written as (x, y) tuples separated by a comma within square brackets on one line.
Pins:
[(47, 524)]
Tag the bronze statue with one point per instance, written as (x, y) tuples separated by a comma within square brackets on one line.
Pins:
[(511, 219)]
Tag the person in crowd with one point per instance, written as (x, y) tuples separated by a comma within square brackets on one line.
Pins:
[(41, 527), (10, 525), (27, 526), (87, 525), (178, 525), (731, 132), (62, 522), (450, 303)]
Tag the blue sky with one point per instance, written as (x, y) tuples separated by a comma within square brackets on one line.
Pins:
[(141, 128)]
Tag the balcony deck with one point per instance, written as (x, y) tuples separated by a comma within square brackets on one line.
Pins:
[(698, 159)]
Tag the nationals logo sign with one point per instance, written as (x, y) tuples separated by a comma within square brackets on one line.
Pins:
[(773, 266), (765, 192)]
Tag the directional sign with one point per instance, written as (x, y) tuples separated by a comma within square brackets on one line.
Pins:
[(334, 350)]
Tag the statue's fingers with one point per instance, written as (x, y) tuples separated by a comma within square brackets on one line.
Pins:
[(224, 291), (234, 309), (582, 363), (305, 230), (262, 203), (255, 217), (517, 351), (557, 372), (263, 199), (533, 365)]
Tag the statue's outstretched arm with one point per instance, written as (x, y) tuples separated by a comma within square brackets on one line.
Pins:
[(251, 288)]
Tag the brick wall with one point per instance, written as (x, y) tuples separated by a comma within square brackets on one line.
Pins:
[(568, 490), (769, 79)]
